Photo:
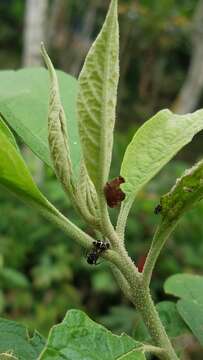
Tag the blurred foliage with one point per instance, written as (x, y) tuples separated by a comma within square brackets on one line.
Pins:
[(42, 272), (11, 25)]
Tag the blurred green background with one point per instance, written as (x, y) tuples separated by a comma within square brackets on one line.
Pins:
[(42, 272)]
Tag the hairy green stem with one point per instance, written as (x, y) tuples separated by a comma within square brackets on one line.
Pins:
[(141, 298), (122, 218), (146, 307), (155, 350), (106, 225), (122, 282), (161, 235), (145, 349)]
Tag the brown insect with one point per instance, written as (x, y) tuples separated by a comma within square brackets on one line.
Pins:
[(113, 193)]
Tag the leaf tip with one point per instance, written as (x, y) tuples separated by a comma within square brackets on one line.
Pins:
[(48, 63), (43, 50)]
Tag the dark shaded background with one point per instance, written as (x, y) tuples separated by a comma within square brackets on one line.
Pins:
[(42, 273)]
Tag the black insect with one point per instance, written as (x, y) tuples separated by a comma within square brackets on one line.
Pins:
[(98, 248), (158, 209)]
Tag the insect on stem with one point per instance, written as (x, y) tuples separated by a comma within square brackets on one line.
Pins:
[(98, 248)]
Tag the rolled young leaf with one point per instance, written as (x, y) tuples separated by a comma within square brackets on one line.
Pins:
[(85, 192), (57, 131), (96, 101)]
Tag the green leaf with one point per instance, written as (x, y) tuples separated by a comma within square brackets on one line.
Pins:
[(192, 312), (171, 319), (24, 105), (186, 286), (38, 342), (187, 191), (14, 340), (190, 289), (4, 128), (15, 176), (154, 144), (96, 99), (79, 338)]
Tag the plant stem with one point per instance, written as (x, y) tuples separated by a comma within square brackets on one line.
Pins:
[(159, 352), (161, 235), (146, 307), (122, 282), (141, 298), (106, 225), (57, 218), (122, 218)]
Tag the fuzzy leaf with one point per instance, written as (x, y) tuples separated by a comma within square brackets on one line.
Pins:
[(24, 106), (187, 191), (86, 193), (72, 338), (96, 99), (154, 144), (57, 130)]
